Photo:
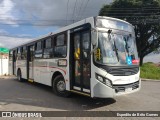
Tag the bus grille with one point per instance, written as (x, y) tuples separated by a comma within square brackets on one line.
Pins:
[(123, 71), (122, 88)]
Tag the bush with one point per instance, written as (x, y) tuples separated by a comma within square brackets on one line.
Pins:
[(150, 71)]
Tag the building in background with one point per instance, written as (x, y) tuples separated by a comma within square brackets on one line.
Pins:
[(4, 56)]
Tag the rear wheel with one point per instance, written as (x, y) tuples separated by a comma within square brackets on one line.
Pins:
[(59, 86)]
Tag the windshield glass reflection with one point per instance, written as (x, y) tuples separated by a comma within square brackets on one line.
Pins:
[(116, 49)]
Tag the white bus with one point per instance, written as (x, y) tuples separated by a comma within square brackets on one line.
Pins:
[(96, 57)]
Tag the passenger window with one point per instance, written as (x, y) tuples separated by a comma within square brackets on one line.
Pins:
[(60, 49), (48, 50), (38, 52), (19, 53), (60, 40), (48, 43), (39, 46), (24, 53)]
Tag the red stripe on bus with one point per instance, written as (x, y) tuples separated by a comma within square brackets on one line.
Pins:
[(53, 67)]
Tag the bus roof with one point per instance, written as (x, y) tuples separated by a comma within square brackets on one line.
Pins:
[(111, 18), (86, 20)]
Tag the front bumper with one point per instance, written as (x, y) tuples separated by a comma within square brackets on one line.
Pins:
[(102, 91), (127, 88)]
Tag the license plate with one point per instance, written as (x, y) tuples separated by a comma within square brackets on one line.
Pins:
[(128, 89)]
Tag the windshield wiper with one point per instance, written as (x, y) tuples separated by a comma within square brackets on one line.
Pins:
[(126, 46), (116, 50)]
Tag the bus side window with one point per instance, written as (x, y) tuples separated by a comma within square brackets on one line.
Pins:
[(19, 53), (38, 50), (60, 48), (48, 49), (24, 53)]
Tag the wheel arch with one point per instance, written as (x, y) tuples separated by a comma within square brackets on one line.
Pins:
[(55, 74)]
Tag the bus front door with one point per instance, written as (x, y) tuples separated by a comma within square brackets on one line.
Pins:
[(80, 61), (30, 62)]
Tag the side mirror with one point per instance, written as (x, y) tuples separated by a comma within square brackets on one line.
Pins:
[(94, 37)]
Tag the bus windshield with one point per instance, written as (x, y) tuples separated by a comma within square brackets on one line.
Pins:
[(116, 49)]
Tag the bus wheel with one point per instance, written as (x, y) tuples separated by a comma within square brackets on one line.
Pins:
[(59, 87), (19, 76)]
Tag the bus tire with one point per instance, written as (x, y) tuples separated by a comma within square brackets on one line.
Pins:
[(19, 76), (59, 86)]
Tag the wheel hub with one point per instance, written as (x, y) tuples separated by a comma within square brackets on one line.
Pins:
[(61, 86)]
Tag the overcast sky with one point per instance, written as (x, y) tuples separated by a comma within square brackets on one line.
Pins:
[(23, 20)]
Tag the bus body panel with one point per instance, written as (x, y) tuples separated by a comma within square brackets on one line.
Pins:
[(100, 90), (44, 70)]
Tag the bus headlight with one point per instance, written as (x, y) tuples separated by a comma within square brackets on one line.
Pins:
[(108, 82), (103, 80), (100, 78)]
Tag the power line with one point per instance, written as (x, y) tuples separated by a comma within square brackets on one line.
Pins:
[(134, 13), (147, 8), (59, 22), (131, 21), (20, 24), (16, 36), (121, 9), (62, 21), (136, 7), (80, 8), (135, 16), (74, 10), (34, 24), (84, 8), (53, 20), (67, 11)]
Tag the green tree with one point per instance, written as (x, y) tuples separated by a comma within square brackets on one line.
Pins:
[(144, 15)]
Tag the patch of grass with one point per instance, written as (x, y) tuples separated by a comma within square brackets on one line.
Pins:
[(150, 71)]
